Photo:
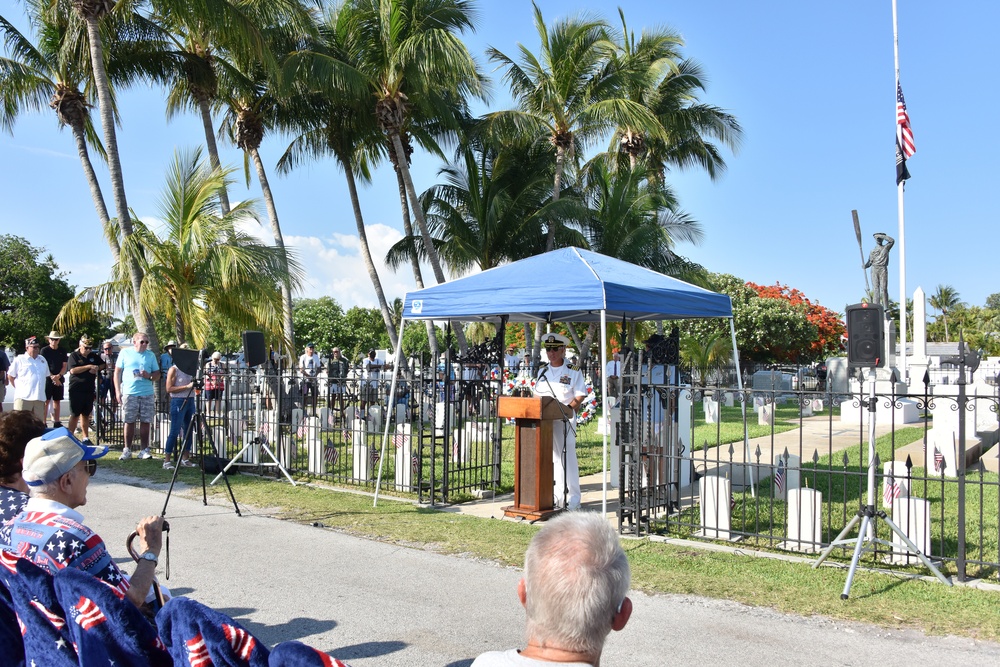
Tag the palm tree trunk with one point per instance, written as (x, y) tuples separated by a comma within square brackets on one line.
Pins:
[(432, 340), (142, 318), (279, 241), (550, 237), (95, 189), (366, 254), (213, 150), (418, 213)]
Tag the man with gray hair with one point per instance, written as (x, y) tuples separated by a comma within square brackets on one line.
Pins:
[(574, 588)]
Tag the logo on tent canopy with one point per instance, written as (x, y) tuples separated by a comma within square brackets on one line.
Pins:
[(417, 306)]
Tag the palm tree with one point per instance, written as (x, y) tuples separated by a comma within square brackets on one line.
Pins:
[(201, 265), (205, 40), (92, 13), (945, 299), (569, 93), (336, 120), (490, 209), (409, 52), (706, 356), (637, 220), (52, 73)]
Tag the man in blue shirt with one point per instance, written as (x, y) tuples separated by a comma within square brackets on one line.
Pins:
[(135, 372)]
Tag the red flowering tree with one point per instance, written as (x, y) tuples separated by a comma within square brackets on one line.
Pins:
[(829, 325)]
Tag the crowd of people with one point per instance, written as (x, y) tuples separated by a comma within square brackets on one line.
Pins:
[(574, 588)]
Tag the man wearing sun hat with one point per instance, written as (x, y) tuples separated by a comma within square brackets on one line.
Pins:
[(27, 375), (84, 366), (50, 532), (54, 389), (566, 384)]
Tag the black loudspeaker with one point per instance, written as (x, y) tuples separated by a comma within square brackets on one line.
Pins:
[(186, 360), (865, 336), (254, 351)]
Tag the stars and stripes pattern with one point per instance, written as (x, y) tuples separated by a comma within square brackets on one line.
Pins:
[(87, 614), (243, 642), (8, 560), (891, 490), (401, 438), (779, 476), (938, 460), (904, 133), (374, 456), (330, 453)]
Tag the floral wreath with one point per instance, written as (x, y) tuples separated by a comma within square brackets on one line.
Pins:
[(523, 384)]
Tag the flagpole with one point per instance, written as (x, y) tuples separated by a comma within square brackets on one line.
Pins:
[(902, 228)]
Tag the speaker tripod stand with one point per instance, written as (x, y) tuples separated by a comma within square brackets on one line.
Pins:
[(867, 540)]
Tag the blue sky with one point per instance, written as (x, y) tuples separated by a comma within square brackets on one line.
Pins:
[(812, 84)]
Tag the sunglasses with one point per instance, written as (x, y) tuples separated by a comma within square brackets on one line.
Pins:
[(143, 342), (88, 347)]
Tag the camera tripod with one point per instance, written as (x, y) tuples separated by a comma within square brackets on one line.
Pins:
[(867, 514), (201, 434)]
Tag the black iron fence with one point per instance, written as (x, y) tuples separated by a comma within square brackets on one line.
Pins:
[(679, 460), (684, 467)]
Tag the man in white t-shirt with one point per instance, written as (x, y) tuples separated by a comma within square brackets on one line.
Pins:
[(27, 376), (574, 592), (309, 365)]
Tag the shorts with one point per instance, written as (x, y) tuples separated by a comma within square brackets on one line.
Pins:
[(138, 409), (3, 389), (81, 400), (36, 408), (213, 394), (53, 391)]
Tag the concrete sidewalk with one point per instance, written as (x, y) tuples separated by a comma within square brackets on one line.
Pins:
[(373, 603)]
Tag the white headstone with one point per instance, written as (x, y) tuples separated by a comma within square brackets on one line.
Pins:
[(805, 520), (727, 399), (296, 418), (361, 469), (766, 415), (715, 497), (314, 446), (912, 516), (404, 457), (712, 412), (806, 408)]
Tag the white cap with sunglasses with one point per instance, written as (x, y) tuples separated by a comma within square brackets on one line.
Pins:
[(50, 456)]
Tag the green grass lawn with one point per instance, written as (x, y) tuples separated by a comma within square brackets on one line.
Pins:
[(885, 600)]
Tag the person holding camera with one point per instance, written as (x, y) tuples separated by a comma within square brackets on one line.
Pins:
[(181, 389)]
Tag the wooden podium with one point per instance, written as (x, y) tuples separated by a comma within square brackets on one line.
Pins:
[(533, 419)]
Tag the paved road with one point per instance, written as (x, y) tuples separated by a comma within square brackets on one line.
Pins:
[(381, 604)]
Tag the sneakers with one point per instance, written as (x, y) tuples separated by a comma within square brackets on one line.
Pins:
[(86, 442), (145, 454), (126, 454), (167, 465), (187, 463)]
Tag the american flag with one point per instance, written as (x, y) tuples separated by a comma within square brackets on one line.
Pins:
[(57, 621), (331, 454), (415, 464), (891, 491), (87, 614), (401, 438), (374, 456), (904, 133), (346, 435), (779, 476), (302, 429), (938, 460)]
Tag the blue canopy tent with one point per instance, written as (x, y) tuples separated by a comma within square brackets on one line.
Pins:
[(565, 285)]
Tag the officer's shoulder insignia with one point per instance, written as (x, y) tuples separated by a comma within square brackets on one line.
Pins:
[(573, 367)]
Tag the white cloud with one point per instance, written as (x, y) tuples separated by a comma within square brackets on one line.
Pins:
[(334, 267)]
